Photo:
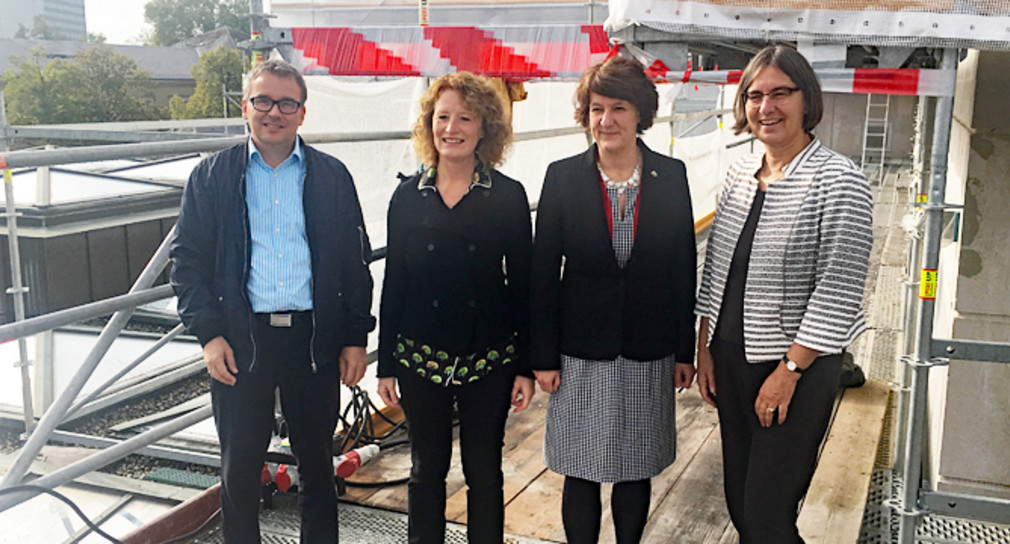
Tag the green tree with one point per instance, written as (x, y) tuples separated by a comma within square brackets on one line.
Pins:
[(216, 68), (177, 20), (98, 85)]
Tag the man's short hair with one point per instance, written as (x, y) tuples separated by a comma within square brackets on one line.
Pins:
[(278, 68)]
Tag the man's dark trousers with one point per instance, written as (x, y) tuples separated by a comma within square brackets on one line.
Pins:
[(244, 415)]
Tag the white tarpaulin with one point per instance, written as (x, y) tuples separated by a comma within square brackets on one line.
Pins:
[(983, 24)]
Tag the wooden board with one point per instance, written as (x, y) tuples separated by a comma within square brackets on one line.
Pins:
[(833, 509)]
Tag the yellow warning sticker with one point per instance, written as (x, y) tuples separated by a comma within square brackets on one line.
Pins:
[(927, 285), (921, 198)]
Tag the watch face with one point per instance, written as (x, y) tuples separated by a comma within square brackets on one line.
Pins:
[(792, 366)]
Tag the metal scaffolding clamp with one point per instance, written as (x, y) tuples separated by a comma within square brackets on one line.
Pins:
[(911, 361)]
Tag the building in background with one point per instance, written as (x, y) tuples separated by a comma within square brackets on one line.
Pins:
[(64, 16)]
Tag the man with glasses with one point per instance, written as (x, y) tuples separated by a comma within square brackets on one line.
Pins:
[(271, 270)]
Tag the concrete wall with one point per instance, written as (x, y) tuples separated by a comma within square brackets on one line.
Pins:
[(841, 128), (972, 444)]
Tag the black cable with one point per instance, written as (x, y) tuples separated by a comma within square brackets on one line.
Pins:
[(194, 532), (359, 430), (73, 506)]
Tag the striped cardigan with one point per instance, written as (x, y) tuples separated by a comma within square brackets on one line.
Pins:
[(808, 263)]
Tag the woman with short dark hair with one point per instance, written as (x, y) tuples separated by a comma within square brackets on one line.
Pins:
[(612, 328), (781, 295), (454, 319)]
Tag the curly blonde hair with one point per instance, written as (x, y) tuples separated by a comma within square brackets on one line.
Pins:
[(480, 98)]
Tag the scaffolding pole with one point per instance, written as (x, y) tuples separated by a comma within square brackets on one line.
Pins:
[(915, 432), (17, 289)]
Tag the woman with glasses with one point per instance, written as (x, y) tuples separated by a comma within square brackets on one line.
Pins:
[(781, 295), (454, 320), (612, 332)]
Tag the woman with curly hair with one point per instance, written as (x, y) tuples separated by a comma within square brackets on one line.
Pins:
[(454, 320)]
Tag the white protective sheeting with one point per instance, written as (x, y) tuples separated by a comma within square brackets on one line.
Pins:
[(983, 24)]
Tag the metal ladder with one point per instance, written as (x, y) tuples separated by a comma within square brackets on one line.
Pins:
[(875, 136)]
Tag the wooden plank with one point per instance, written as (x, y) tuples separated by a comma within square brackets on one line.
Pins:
[(694, 510), (833, 509), (695, 422), (536, 512), (522, 457)]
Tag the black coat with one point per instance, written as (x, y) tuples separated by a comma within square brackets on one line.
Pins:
[(211, 253), (457, 280), (592, 308)]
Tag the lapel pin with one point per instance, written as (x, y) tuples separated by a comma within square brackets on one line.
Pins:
[(653, 173)]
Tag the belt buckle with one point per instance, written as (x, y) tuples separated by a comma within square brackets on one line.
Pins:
[(280, 320)]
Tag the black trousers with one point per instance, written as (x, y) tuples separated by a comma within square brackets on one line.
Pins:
[(483, 408), (768, 470), (244, 415)]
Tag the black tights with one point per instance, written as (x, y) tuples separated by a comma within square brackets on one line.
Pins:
[(581, 510)]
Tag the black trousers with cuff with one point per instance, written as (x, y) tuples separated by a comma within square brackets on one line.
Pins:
[(483, 408), (768, 470), (244, 416)]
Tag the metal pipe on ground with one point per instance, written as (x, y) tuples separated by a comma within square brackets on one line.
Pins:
[(102, 457)]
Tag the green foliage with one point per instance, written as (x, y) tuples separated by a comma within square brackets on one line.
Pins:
[(177, 20), (94, 37), (98, 85), (221, 66)]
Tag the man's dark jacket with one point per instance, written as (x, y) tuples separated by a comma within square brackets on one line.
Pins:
[(211, 255), (595, 309)]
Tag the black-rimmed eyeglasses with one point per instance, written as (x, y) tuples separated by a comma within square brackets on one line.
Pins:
[(264, 104), (777, 94)]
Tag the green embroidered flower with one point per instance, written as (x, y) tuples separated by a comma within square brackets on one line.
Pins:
[(426, 350), (409, 342), (480, 365), (448, 370), (441, 355), (404, 362), (432, 365), (436, 378), (420, 372), (417, 358), (510, 349), (463, 371), (399, 347), (506, 360), (473, 379), (492, 355)]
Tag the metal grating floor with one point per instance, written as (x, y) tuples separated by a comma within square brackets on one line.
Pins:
[(358, 525), (879, 527)]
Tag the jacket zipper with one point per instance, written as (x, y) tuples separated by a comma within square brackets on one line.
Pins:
[(245, 264), (312, 276)]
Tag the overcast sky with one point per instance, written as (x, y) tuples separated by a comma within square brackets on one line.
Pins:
[(121, 21)]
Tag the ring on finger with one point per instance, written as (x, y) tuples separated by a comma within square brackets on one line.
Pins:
[(772, 409)]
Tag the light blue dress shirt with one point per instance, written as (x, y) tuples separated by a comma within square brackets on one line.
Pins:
[(280, 276)]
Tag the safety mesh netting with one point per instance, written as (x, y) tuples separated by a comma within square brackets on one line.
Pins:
[(982, 24)]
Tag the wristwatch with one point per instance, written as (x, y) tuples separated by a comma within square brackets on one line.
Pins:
[(791, 365)]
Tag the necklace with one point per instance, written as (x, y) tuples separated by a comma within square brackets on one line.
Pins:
[(622, 186)]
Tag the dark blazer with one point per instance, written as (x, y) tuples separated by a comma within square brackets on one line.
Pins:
[(211, 253), (586, 305)]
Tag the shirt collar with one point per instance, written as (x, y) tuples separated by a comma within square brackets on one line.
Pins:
[(296, 152), (481, 177)]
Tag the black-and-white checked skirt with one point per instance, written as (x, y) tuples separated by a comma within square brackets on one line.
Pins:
[(612, 421)]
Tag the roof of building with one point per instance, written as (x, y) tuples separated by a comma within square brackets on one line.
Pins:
[(165, 63)]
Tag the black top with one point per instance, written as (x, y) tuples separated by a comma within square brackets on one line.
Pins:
[(592, 308), (730, 328), (457, 279)]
